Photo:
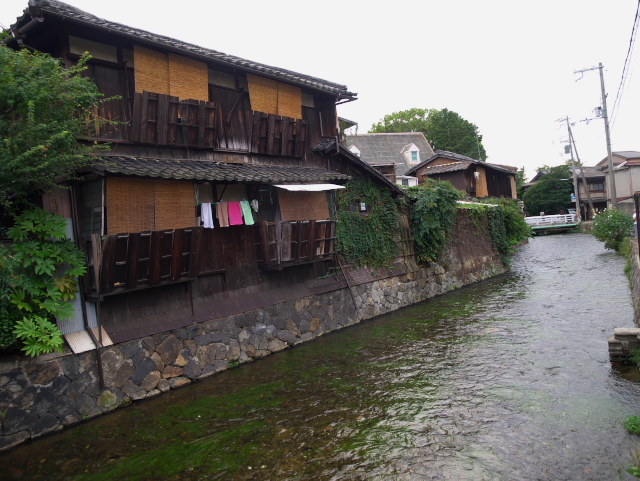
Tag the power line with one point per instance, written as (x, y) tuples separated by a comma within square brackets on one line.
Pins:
[(623, 79)]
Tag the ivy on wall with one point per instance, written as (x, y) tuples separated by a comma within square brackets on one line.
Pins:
[(434, 212), (366, 238)]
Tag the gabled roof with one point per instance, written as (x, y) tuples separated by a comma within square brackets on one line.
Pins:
[(461, 162), (443, 168), (329, 146), (618, 158), (68, 13), (212, 171), (386, 148)]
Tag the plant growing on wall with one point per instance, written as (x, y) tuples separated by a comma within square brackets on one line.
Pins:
[(433, 216), (37, 282), (367, 238), (611, 227), (505, 223)]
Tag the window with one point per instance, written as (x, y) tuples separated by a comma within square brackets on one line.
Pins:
[(596, 186), (414, 156), (405, 182)]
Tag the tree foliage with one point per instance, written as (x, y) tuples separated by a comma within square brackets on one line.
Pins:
[(551, 194), (611, 227), (444, 129), (44, 109)]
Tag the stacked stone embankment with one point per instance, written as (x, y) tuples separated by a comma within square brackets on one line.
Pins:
[(39, 396)]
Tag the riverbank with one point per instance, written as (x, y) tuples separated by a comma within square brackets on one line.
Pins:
[(46, 394)]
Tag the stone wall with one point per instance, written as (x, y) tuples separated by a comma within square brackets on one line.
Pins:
[(634, 278), (43, 395)]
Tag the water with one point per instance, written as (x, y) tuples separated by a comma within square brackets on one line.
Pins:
[(508, 379)]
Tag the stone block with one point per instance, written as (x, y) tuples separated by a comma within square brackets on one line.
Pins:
[(177, 382), (172, 371), (60, 385), (42, 373), (169, 349), (112, 360), (155, 357), (163, 385), (13, 440), (151, 381), (109, 399), (62, 406), (276, 345), (44, 425), (24, 398), (142, 371), (192, 370), (16, 420), (133, 391), (123, 374)]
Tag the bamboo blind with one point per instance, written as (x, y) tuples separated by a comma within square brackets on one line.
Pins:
[(273, 97), (289, 101), (151, 71), (174, 204), (138, 205), (170, 74), (303, 205), (481, 184), (188, 79), (263, 93), (129, 205)]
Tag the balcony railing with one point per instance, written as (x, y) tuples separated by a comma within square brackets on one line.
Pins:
[(280, 244), (127, 262), (165, 120)]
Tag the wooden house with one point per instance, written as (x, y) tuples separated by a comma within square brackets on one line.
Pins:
[(475, 178), (197, 131), (393, 154)]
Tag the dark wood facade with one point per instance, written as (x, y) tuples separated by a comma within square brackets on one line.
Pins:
[(168, 271)]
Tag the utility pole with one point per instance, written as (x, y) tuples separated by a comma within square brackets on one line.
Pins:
[(573, 172), (612, 179), (584, 178)]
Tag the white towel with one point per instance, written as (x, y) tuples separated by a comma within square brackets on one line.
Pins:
[(254, 204), (207, 218)]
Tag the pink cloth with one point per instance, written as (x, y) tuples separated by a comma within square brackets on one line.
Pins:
[(235, 213), (222, 214)]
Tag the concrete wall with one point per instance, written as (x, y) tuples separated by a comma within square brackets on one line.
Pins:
[(43, 395)]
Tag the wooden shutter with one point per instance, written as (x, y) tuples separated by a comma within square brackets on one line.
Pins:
[(174, 204), (273, 97), (129, 205)]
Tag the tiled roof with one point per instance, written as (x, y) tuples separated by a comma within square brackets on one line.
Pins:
[(386, 148), (589, 172), (212, 171), (443, 154), (72, 14), (452, 167)]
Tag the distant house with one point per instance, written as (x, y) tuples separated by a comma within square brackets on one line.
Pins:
[(595, 187), (627, 177), (392, 154), (475, 178)]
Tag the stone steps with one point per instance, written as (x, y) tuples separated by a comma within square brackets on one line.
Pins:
[(622, 342)]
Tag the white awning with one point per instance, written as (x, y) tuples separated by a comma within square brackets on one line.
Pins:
[(309, 187)]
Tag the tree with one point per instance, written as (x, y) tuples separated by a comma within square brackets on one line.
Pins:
[(444, 129), (551, 194), (45, 108), (520, 181)]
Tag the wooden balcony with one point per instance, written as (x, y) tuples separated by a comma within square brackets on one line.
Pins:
[(132, 261), (164, 120), (281, 244)]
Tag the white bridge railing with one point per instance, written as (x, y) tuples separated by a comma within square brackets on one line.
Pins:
[(548, 220)]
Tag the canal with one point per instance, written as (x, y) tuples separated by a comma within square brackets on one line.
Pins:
[(508, 379)]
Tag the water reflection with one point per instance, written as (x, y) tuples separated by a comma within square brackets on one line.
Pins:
[(506, 379)]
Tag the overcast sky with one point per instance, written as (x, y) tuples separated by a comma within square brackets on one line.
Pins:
[(506, 66)]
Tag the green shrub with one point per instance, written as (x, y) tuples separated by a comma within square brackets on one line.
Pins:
[(632, 424), (37, 282), (434, 212), (611, 227)]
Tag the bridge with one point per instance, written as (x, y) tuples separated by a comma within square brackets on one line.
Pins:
[(543, 224)]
